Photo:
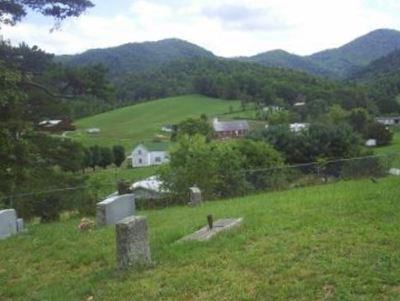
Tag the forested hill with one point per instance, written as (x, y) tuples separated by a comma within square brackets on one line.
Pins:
[(227, 79), (380, 68), (136, 57), (283, 59), (382, 76), (344, 60), (338, 63)]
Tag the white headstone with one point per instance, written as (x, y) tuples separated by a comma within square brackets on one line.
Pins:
[(8, 223), (115, 208)]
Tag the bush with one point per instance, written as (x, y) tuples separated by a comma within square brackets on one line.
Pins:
[(363, 168)]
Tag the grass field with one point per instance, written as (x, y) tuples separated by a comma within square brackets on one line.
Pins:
[(335, 242), (130, 125)]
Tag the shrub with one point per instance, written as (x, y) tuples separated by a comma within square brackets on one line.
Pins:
[(363, 168)]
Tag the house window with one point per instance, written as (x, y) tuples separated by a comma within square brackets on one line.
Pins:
[(139, 152), (158, 159)]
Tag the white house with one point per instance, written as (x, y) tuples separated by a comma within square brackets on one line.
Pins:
[(298, 127), (143, 156), (388, 120)]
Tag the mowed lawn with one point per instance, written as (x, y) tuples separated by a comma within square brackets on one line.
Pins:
[(130, 125), (335, 242)]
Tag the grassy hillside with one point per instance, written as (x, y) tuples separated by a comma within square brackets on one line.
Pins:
[(136, 123), (333, 242)]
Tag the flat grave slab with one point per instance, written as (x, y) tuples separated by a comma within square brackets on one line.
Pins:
[(220, 225)]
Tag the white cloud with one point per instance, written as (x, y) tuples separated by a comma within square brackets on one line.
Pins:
[(227, 27)]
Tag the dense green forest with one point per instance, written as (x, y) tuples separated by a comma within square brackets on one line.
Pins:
[(250, 83), (338, 63), (135, 57)]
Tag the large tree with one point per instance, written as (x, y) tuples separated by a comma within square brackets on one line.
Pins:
[(13, 11)]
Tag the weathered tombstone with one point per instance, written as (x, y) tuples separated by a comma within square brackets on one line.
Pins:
[(115, 208), (20, 225), (195, 196), (8, 223), (132, 242), (207, 232)]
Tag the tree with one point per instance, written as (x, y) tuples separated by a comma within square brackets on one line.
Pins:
[(106, 157), (379, 132), (12, 12), (359, 119), (95, 156), (320, 141), (118, 154), (193, 127)]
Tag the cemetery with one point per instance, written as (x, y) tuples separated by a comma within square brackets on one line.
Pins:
[(282, 239)]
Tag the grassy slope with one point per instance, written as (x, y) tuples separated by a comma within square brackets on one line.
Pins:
[(135, 123), (333, 242)]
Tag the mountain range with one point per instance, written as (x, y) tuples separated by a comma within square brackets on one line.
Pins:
[(338, 63)]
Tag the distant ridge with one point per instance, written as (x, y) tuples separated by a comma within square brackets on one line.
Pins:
[(134, 57), (337, 63)]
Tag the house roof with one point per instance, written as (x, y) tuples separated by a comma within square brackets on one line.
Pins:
[(227, 126), (154, 146), (151, 183)]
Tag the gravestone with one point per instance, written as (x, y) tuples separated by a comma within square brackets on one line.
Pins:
[(195, 196), (207, 232), (115, 208), (8, 223), (20, 225), (132, 242)]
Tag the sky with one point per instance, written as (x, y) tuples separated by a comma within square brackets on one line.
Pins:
[(226, 27)]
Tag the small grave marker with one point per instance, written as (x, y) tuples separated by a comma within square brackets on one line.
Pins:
[(195, 196), (206, 233), (132, 242)]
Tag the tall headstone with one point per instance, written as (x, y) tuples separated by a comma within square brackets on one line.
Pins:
[(115, 208), (8, 223), (132, 242), (195, 196)]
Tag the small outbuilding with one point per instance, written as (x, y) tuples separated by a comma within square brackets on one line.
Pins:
[(230, 129)]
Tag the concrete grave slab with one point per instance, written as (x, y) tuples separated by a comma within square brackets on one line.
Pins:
[(8, 223), (220, 225), (115, 208)]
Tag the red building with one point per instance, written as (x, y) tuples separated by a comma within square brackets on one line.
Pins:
[(230, 129)]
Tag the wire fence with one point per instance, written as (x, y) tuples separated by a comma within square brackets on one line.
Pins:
[(253, 181)]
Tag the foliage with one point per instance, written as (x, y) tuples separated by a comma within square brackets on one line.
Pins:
[(106, 157), (118, 155), (368, 167), (12, 12), (379, 132), (217, 168), (318, 141), (191, 127)]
